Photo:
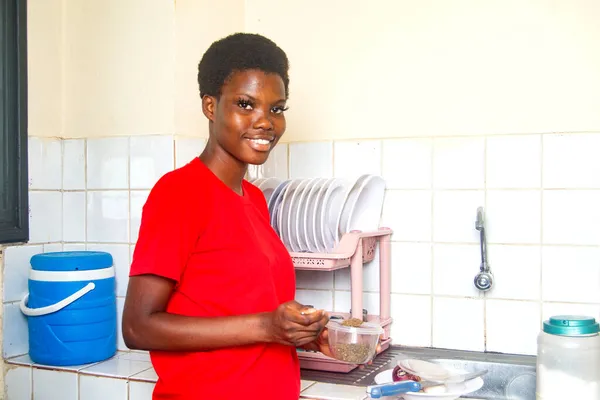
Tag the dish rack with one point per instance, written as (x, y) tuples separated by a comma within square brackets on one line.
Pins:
[(354, 250)]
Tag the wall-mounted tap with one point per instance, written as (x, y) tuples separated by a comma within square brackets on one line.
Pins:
[(484, 279)]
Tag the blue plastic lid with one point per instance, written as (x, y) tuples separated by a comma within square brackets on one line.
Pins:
[(71, 261), (571, 325)]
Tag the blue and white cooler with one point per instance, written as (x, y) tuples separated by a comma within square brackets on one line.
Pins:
[(71, 308)]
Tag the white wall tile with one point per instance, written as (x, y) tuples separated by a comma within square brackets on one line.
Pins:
[(355, 158), (73, 164), (512, 326), (571, 274), (96, 388), (16, 270), (331, 391), (137, 200), (408, 214), (120, 366), (411, 268), (140, 390), (314, 280), (370, 276), (513, 161), (108, 163), (18, 383), (311, 160), (45, 163), (74, 247), (45, 217), (150, 157), (571, 161), (108, 216), (120, 255), (186, 148), (454, 268), (458, 323), (407, 163), (454, 215), (416, 330), (513, 216), (458, 163), (277, 163), (553, 309), (120, 342), (320, 299), (343, 302), (517, 272), (54, 385), (571, 217), (74, 206), (14, 331), (52, 247)]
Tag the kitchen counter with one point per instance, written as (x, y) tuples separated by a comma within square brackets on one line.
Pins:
[(127, 376)]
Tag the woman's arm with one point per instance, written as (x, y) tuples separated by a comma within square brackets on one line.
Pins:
[(147, 326)]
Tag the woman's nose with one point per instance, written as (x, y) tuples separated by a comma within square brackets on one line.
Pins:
[(263, 122)]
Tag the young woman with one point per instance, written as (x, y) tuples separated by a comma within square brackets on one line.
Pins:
[(212, 287)]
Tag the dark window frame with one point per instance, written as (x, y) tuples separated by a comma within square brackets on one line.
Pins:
[(14, 203)]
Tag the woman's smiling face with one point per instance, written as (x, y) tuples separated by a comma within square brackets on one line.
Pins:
[(248, 117)]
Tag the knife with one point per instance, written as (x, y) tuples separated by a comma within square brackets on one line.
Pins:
[(396, 388)]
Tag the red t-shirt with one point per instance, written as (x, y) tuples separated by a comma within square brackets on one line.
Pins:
[(227, 260)]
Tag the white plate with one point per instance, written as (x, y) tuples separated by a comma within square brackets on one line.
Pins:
[(454, 391), (268, 186), (333, 203), (292, 216), (362, 210), (284, 212), (318, 225), (300, 215), (309, 215), (275, 204)]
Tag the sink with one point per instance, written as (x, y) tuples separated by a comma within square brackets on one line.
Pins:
[(509, 377)]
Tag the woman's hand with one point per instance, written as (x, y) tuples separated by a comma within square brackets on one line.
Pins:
[(293, 324), (320, 344)]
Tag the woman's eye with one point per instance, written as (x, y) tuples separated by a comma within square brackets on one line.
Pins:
[(278, 110), (244, 104)]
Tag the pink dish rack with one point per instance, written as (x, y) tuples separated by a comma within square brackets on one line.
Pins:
[(354, 250)]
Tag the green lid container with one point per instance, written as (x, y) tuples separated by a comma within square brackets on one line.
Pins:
[(571, 325)]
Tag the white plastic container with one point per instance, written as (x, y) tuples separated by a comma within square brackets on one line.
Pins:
[(568, 360)]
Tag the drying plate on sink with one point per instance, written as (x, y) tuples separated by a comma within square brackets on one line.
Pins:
[(454, 390)]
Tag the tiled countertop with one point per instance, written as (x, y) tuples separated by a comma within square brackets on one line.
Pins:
[(127, 376)]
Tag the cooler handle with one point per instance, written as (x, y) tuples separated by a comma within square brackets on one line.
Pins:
[(36, 312)]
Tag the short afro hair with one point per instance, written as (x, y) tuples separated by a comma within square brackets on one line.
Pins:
[(240, 52)]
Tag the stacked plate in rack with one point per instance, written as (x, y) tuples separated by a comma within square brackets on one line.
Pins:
[(311, 215)]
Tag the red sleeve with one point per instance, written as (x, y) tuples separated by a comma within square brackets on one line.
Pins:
[(169, 229)]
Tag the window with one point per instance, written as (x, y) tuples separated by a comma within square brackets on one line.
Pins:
[(14, 215)]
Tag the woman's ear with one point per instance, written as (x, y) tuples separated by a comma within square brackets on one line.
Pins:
[(209, 105)]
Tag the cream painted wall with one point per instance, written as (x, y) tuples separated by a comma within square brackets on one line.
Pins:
[(45, 67), (390, 68), (119, 63), (198, 24), (114, 67)]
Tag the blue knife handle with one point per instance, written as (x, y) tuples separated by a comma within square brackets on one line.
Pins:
[(393, 389)]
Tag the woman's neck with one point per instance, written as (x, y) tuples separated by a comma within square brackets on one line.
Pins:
[(228, 169)]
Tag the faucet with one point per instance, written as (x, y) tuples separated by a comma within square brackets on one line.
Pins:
[(484, 279)]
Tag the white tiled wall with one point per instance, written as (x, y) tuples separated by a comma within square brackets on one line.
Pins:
[(540, 193), (86, 194)]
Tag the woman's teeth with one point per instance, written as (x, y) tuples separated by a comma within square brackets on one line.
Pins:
[(260, 141)]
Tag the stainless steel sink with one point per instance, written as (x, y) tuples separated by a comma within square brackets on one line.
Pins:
[(509, 377)]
